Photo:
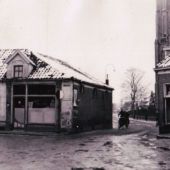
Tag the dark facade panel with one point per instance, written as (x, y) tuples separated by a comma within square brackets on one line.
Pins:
[(94, 108), (162, 44)]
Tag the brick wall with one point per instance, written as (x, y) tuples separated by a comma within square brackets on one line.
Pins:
[(161, 80)]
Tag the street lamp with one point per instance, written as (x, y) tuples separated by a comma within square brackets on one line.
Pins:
[(106, 73)]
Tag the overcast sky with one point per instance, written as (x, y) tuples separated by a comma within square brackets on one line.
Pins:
[(94, 35)]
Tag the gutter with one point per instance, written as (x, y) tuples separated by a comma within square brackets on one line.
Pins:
[(54, 79), (160, 69), (93, 84)]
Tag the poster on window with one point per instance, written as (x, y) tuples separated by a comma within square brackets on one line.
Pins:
[(75, 97)]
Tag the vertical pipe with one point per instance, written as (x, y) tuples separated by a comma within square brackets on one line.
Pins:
[(26, 105), (12, 107)]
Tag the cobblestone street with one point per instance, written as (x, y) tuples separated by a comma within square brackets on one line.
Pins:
[(134, 148)]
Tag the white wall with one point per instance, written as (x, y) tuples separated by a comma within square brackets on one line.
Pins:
[(18, 60), (41, 115), (66, 105), (2, 102)]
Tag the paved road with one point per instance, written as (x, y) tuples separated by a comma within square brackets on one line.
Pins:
[(126, 149)]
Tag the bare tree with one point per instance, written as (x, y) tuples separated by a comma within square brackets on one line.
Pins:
[(134, 88)]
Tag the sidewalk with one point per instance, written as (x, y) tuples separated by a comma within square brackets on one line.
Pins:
[(142, 120), (163, 136), (159, 136), (148, 122), (31, 133), (134, 127)]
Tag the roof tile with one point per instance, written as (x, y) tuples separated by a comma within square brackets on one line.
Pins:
[(47, 67)]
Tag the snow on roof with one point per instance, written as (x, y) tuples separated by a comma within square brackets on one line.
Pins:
[(164, 63), (47, 67)]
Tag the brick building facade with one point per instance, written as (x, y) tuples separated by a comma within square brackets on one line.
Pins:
[(162, 64)]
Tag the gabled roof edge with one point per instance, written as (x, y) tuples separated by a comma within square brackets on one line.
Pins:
[(11, 56)]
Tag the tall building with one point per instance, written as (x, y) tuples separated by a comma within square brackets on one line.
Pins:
[(162, 64), (162, 28)]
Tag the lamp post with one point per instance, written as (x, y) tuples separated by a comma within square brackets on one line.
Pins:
[(106, 73)]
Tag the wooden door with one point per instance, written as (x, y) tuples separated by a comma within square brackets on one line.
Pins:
[(19, 112)]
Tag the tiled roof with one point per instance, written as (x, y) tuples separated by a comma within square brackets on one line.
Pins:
[(2, 71), (45, 73), (47, 67), (164, 63)]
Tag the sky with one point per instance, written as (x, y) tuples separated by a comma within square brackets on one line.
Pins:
[(98, 36)]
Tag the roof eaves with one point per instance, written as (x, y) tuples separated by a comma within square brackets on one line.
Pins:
[(94, 84), (24, 56)]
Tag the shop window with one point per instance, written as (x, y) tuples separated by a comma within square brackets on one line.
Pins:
[(167, 110), (41, 102), (19, 102), (19, 89), (41, 110), (41, 89), (18, 71), (168, 89)]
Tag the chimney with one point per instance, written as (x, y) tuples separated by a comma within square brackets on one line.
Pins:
[(107, 79)]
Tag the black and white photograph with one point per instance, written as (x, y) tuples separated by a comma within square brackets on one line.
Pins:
[(85, 84)]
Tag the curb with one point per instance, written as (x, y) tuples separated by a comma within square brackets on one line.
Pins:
[(144, 121), (31, 133), (163, 136)]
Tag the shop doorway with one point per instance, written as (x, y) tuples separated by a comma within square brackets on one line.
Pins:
[(19, 112)]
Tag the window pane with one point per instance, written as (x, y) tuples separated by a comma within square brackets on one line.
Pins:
[(19, 89), (18, 71), (168, 89), (19, 102), (41, 89), (168, 110), (41, 102)]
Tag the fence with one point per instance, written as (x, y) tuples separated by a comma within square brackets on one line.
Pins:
[(144, 114)]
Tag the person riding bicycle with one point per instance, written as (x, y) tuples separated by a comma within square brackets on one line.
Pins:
[(123, 118)]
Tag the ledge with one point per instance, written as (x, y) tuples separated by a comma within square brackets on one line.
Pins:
[(163, 136)]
